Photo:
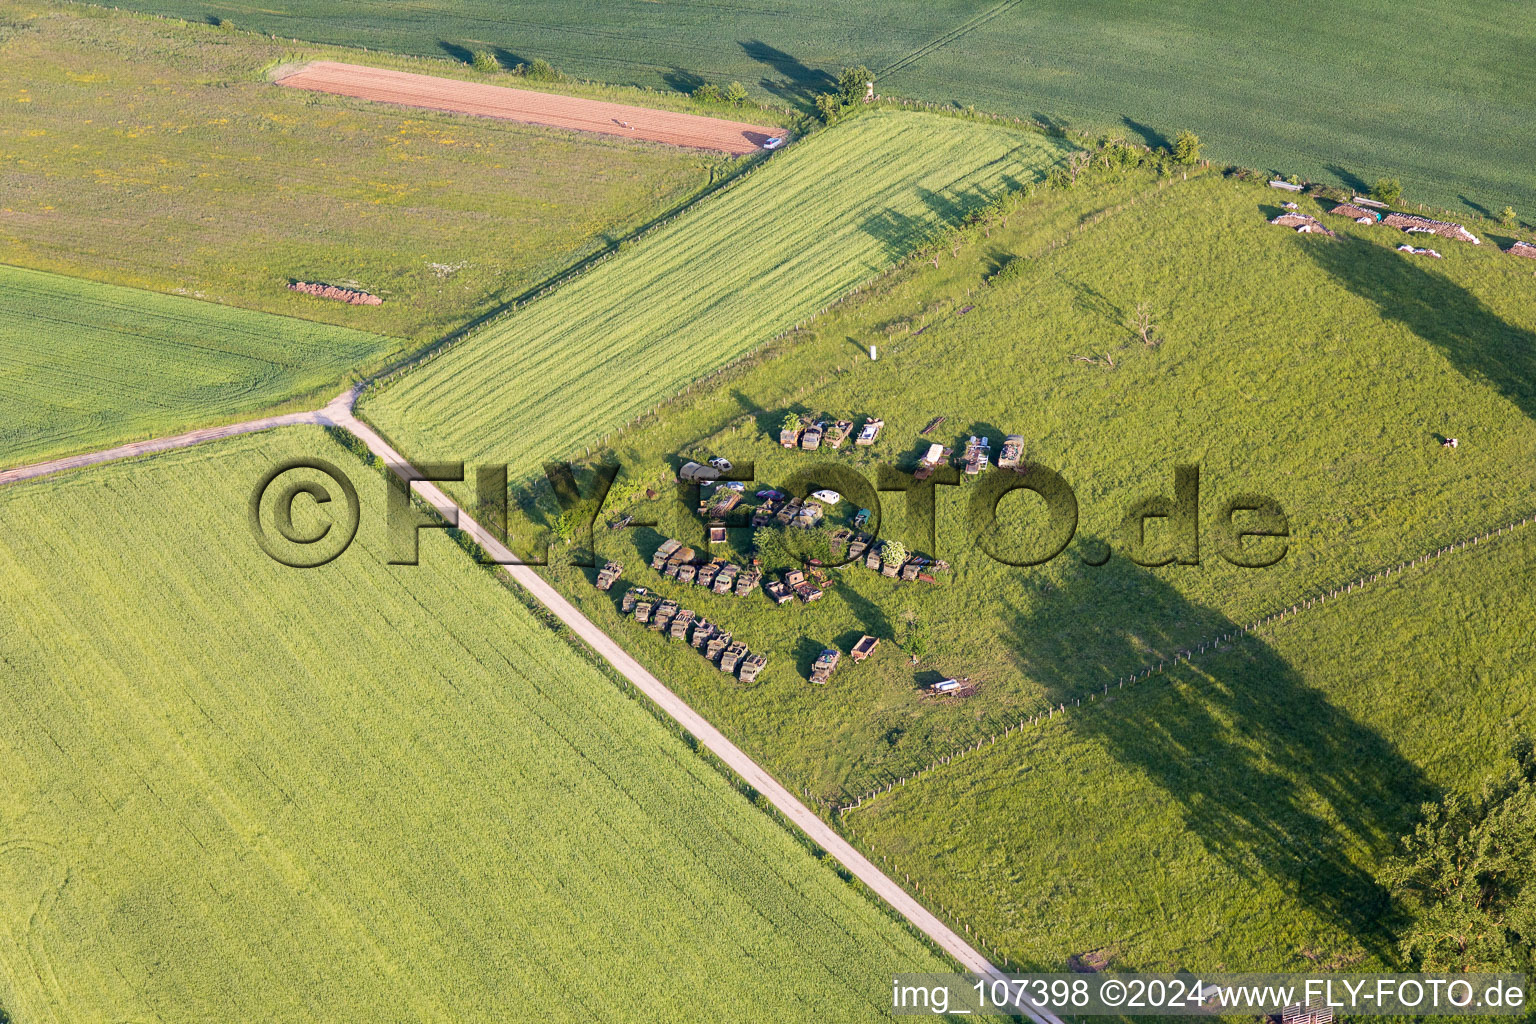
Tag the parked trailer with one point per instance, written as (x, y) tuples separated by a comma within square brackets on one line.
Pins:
[(864, 648)]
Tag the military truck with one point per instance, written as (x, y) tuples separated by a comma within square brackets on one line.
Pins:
[(717, 643), (643, 611), (837, 433), (631, 598), (664, 552), (732, 657), (821, 669), (751, 666), (747, 582), (680, 623), (686, 572), (662, 617), (703, 629), (726, 578), (707, 573), (870, 432), (1012, 453), (811, 439), (609, 575)]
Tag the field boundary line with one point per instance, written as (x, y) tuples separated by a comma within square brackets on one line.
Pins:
[(1187, 655)]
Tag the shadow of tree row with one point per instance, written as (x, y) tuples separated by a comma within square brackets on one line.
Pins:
[(1274, 780)]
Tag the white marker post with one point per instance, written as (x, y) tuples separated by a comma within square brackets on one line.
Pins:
[(872, 356)]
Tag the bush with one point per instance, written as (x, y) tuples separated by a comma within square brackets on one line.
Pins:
[(542, 71), (829, 107), (1186, 147), (1387, 190), (485, 62), (736, 94), (1058, 178), (1507, 215), (707, 93)]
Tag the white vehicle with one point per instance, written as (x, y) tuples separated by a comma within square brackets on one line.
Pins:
[(773, 143), (829, 497), (723, 465)]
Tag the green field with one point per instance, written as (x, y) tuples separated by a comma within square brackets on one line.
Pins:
[(361, 792), (701, 291), (1235, 811), (1321, 372), (1439, 94), (155, 154), (85, 365)]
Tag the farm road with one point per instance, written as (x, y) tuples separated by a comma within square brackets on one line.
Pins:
[(338, 413), (529, 107)]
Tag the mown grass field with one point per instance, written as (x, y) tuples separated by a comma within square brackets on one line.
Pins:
[(703, 290), (1321, 372), (236, 790), (155, 154), (1235, 811), (1437, 94), (86, 365)]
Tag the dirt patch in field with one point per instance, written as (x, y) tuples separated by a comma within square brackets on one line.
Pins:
[(529, 107)]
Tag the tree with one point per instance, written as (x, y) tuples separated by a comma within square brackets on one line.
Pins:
[(1507, 215), (893, 552), (1141, 323), (1467, 876), (791, 421), (853, 83), (709, 92), (484, 61), (1186, 147), (1387, 190), (736, 94), (1077, 163)]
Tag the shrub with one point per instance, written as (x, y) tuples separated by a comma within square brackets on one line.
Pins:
[(893, 551), (542, 71), (1387, 190), (829, 107), (1058, 178), (1507, 215), (707, 93), (1186, 147), (736, 94), (485, 62)]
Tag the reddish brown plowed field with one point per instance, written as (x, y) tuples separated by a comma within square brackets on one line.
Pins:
[(529, 107)]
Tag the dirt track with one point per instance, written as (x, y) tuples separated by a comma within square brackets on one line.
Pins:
[(529, 107)]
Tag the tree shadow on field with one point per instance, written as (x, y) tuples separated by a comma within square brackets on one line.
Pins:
[(682, 79), (1351, 181), (1477, 341), (800, 83), (507, 59), (898, 233), (1277, 783), (1149, 136), (462, 54)]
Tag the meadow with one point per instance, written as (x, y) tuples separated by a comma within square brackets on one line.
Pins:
[(154, 154), (1320, 372), (1233, 811), (363, 791), (86, 366), (1438, 95), (561, 372)]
